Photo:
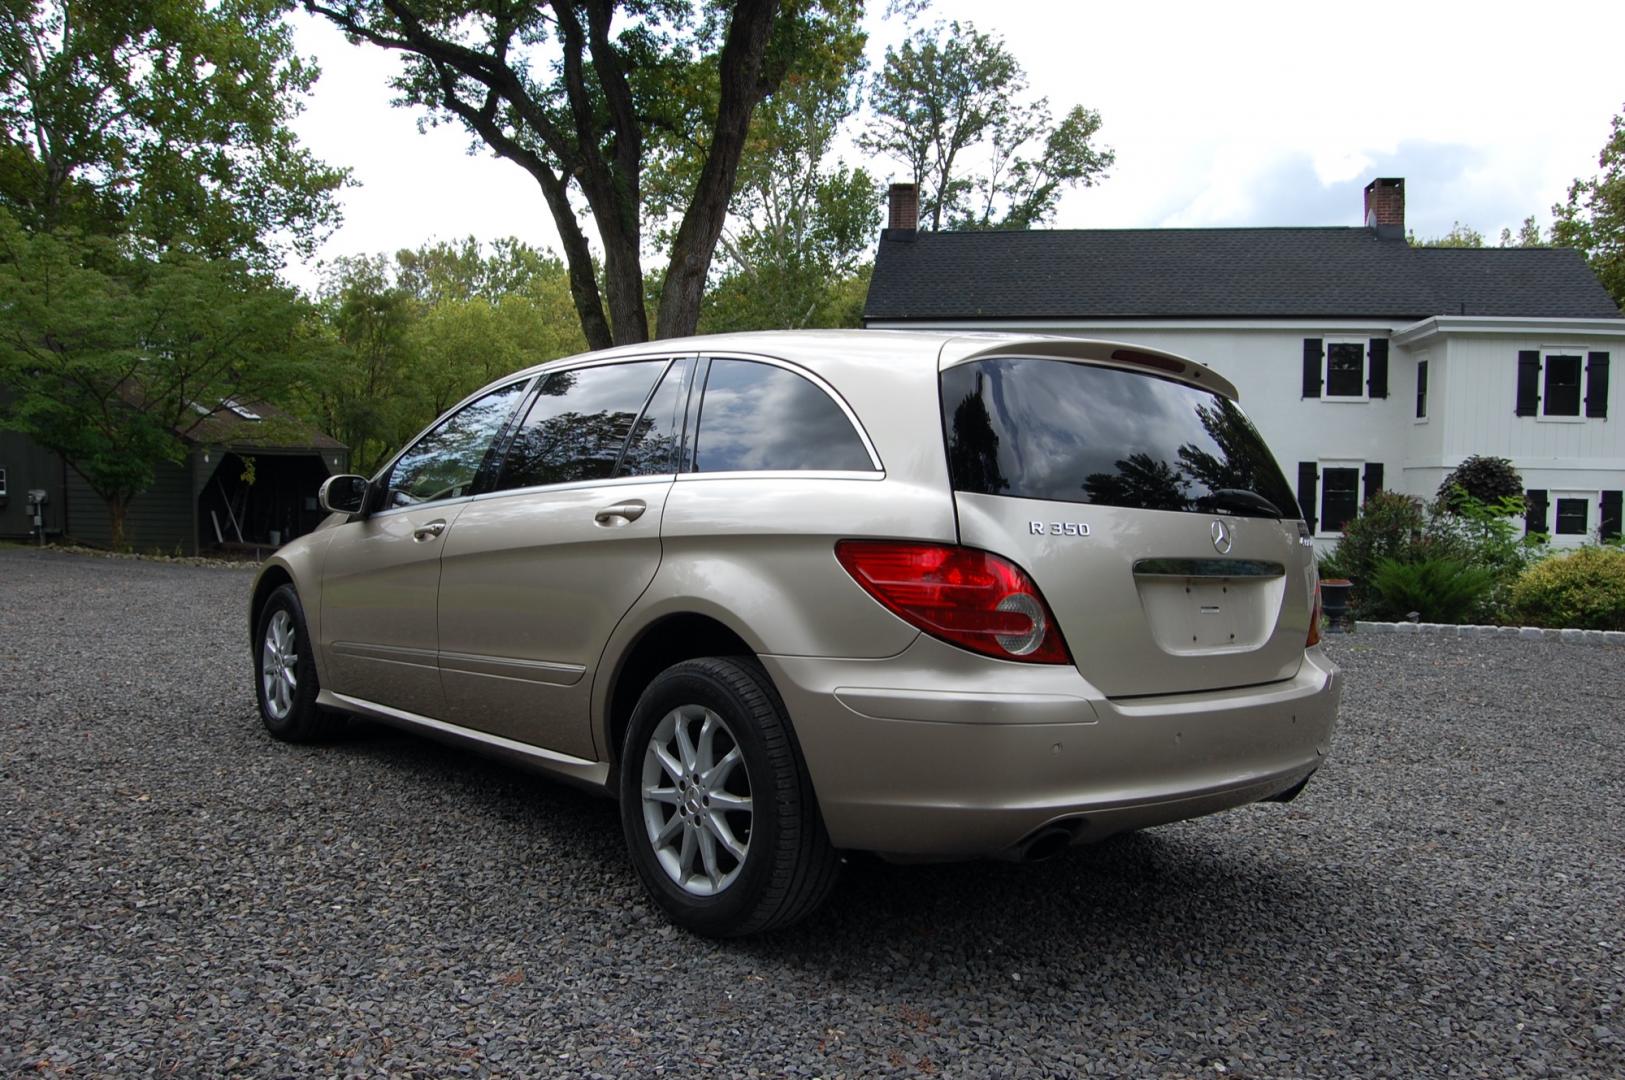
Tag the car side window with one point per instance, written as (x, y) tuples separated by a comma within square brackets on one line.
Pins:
[(651, 450), (445, 462), (578, 424), (760, 416)]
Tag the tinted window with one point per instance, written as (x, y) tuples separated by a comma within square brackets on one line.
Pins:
[(1571, 517), (1047, 429), (757, 416), (653, 445), (444, 463), (577, 425)]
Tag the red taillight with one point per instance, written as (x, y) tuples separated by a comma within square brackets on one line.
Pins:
[(973, 599), (1314, 619)]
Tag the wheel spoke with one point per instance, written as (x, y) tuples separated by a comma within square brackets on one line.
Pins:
[(665, 795), (290, 678), (685, 746), (685, 857), (716, 826), (722, 801), (704, 754), (717, 775), (673, 768), (708, 855), (667, 831)]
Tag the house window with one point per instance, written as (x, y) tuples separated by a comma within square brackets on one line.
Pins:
[(1421, 389), (2, 483), (1572, 517), (1339, 497), (1562, 384), (1562, 381), (1345, 369)]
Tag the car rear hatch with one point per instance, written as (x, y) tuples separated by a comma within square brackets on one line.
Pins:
[(1144, 505)]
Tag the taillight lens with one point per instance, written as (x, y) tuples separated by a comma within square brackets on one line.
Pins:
[(1314, 619), (973, 599)]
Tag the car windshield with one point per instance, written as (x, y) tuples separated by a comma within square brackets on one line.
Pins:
[(1071, 432)]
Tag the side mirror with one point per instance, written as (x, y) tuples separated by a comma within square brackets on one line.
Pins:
[(343, 494)]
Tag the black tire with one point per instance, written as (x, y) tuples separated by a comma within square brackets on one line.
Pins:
[(788, 867), (302, 721)]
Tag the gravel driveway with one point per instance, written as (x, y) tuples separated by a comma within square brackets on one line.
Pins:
[(180, 894)]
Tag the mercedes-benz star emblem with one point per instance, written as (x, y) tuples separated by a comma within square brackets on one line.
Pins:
[(1221, 537)]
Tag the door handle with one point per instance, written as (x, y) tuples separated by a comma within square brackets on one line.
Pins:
[(621, 513), (429, 531)]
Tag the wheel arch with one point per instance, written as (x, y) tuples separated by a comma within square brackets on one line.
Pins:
[(270, 579), (667, 639)]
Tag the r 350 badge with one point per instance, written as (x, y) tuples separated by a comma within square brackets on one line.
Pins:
[(1058, 528)]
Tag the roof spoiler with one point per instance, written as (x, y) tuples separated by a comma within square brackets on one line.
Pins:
[(1121, 354)]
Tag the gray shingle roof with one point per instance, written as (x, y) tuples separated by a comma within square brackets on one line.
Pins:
[(1219, 273)]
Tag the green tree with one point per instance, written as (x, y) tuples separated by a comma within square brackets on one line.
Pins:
[(162, 120), (586, 106), (1593, 217), (951, 104), (111, 358), (1459, 236), (802, 223)]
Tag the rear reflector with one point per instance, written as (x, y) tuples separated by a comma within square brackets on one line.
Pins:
[(970, 598), (1314, 620)]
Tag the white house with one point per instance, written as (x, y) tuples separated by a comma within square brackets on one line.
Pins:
[(1366, 362)]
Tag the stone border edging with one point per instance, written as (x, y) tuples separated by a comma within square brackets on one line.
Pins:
[(1570, 635)]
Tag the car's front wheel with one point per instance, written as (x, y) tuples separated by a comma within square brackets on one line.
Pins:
[(717, 807), (285, 671)]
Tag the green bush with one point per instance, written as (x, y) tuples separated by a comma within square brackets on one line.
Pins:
[(1439, 590), (1584, 589), (1486, 479)]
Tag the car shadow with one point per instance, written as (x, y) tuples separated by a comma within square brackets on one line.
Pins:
[(1148, 900)]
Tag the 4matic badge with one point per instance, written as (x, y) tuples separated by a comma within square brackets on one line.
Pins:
[(1057, 528)]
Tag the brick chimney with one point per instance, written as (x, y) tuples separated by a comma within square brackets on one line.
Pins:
[(902, 211), (1385, 207)]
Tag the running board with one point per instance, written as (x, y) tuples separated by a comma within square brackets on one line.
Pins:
[(592, 774)]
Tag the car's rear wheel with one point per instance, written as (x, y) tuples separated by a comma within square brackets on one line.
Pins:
[(285, 671), (718, 810)]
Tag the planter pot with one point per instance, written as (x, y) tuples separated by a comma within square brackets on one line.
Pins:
[(1334, 601)]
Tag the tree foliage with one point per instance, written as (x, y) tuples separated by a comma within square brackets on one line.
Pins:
[(951, 104), (1485, 478), (166, 121), (590, 97), (110, 359), (408, 336), (1593, 217)]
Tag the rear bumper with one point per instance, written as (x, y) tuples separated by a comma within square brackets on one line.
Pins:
[(936, 752)]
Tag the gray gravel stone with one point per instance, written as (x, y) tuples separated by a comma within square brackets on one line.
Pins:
[(180, 895)]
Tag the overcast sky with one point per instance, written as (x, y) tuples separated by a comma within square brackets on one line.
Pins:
[(1221, 114)]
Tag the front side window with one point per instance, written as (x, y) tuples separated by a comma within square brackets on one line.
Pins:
[(1562, 396), (1051, 429), (1345, 369), (757, 416), (579, 424), (1339, 498), (445, 463)]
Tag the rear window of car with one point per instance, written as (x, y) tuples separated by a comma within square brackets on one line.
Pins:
[(1049, 429), (759, 416)]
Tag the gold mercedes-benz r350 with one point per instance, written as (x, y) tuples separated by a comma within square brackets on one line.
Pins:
[(788, 594)]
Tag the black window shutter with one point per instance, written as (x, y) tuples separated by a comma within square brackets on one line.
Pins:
[(1528, 382), (1376, 380), (1534, 518), (1597, 384), (1373, 478), (1313, 352), (1610, 524), (1308, 481)]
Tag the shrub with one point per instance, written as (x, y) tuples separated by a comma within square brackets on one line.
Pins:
[(1438, 590), (1487, 479), (1585, 589)]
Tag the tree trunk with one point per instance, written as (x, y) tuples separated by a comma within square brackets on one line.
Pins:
[(696, 242), (117, 507)]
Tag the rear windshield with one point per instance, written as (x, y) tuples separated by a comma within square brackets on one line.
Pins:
[(1049, 429)]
